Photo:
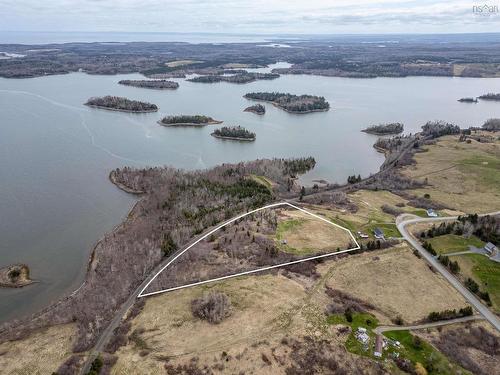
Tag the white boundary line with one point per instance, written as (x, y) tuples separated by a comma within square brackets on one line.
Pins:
[(252, 271)]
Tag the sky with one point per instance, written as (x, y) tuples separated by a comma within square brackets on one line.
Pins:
[(251, 16)]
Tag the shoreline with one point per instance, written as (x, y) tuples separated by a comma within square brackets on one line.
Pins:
[(234, 138), (120, 186), (120, 110), (190, 124), (380, 134)]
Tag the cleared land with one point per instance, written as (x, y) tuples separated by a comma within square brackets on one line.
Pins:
[(452, 243), (485, 272), (39, 354), (396, 282), (300, 233), (461, 175)]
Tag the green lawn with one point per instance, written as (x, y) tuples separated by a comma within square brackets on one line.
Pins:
[(486, 273), (262, 180), (485, 168), (365, 320), (390, 230), (284, 227), (423, 353), (451, 243)]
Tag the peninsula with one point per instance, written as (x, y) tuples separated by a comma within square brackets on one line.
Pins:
[(490, 96), (258, 109), (15, 276), (188, 120), (117, 103), (292, 103), (236, 133), (385, 129), (150, 84)]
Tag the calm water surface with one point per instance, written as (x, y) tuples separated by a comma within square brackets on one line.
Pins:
[(55, 153)]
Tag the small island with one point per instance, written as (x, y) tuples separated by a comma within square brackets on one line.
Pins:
[(118, 103), (490, 96), (236, 133), (258, 109), (15, 276), (161, 84), (188, 120), (468, 100), (385, 129), (292, 103), (235, 78)]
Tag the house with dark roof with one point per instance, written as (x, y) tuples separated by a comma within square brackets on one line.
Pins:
[(378, 233)]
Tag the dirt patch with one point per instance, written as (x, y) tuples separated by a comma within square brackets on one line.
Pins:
[(40, 353), (396, 282)]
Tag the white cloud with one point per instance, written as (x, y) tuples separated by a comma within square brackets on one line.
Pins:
[(243, 16)]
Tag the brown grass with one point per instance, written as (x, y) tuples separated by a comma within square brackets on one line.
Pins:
[(40, 353), (396, 282), (460, 175)]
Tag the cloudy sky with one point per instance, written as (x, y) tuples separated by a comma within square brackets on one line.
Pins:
[(249, 16)]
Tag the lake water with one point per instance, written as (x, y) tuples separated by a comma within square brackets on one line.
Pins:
[(55, 153)]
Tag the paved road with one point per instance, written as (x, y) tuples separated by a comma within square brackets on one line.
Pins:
[(381, 329), (471, 298)]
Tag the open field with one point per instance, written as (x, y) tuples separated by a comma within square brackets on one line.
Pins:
[(305, 234), (396, 282), (177, 63), (39, 354), (485, 272), (451, 243), (461, 175), (267, 312)]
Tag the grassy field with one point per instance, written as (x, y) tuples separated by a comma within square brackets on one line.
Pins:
[(485, 272), (177, 63), (452, 243), (305, 234), (40, 353), (263, 180), (460, 175), (396, 282)]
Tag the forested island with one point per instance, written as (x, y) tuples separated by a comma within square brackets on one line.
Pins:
[(258, 109), (188, 120), (118, 103), (235, 78), (150, 84), (385, 129), (15, 276), (292, 103), (490, 96), (468, 100), (236, 133)]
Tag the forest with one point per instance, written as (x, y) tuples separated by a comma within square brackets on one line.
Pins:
[(490, 96), (188, 119), (234, 78), (234, 132), (292, 103), (384, 129), (492, 124), (258, 109), (150, 84), (119, 103)]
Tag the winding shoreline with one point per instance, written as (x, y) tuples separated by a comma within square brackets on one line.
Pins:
[(233, 138)]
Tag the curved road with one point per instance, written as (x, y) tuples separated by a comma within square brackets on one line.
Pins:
[(471, 298)]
